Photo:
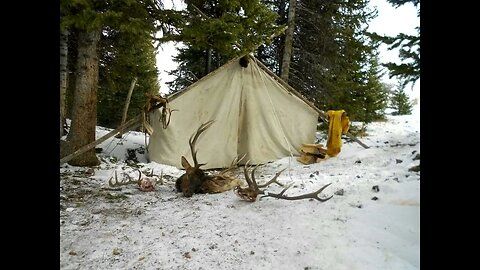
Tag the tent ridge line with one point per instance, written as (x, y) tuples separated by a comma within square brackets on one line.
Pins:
[(322, 114), (179, 93), (287, 86)]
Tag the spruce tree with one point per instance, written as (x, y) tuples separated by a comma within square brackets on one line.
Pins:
[(123, 57), (88, 19), (334, 61), (401, 103), (409, 50), (271, 53), (215, 31)]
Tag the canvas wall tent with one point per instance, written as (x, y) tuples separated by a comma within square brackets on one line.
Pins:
[(254, 115)]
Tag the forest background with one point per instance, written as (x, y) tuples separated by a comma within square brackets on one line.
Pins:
[(327, 53)]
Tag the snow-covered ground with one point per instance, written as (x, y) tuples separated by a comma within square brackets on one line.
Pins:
[(372, 221)]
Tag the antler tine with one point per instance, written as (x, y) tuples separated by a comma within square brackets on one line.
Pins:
[(193, 140), (247, 178), (110, 183), (123, 182), (273, 180), (312, 195), (159, 180), (139, 175), (233, 165), (149, 174), (255, 185), (165, 112)]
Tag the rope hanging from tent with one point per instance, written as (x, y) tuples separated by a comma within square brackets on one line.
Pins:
[(121, 141)]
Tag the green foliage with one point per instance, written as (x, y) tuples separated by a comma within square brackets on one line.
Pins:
[(125, 15), (409, 50), (215, 31), (409, 53), (124, 56), (192, 66), (401, 103), (125, 50), (271, 54), (397, 3), (229, 27), (334, 63)]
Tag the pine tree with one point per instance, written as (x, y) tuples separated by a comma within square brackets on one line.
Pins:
[(88, 18), (287, 49), (332, 62), (401, 103), (271, 53), (63, 78), (125, 56), (409, 50), (214, 32)]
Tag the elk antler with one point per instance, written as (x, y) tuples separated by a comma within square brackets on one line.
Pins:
[(232, 166), (223, 180), (166, 116), (124, 182), (251, 192), (144, 184), (312, 195), (193, 140)]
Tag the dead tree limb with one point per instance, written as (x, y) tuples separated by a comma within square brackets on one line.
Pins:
[(127, 103), (130, 124)]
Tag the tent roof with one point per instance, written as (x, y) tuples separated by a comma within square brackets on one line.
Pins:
[(255, 115), (260, 65)]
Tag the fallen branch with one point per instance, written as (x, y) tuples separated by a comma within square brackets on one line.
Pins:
[(130, 124)]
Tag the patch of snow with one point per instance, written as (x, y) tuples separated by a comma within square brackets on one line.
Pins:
[(365, 228)]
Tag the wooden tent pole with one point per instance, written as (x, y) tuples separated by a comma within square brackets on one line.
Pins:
[(127, 103)]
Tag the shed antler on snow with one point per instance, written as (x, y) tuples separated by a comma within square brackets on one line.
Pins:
[(147, 183), (251, 192)]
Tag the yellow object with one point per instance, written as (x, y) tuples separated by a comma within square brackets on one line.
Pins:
[(339, 123), (307, 159), (312, 153), (313, 149)]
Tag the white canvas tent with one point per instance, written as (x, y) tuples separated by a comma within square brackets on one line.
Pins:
[(254, 115)]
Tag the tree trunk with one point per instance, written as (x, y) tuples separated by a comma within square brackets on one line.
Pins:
[(63, 78), (84, 109), (209, 61), (287, 52)]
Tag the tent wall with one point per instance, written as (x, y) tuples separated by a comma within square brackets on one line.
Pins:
[(253, 113)]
